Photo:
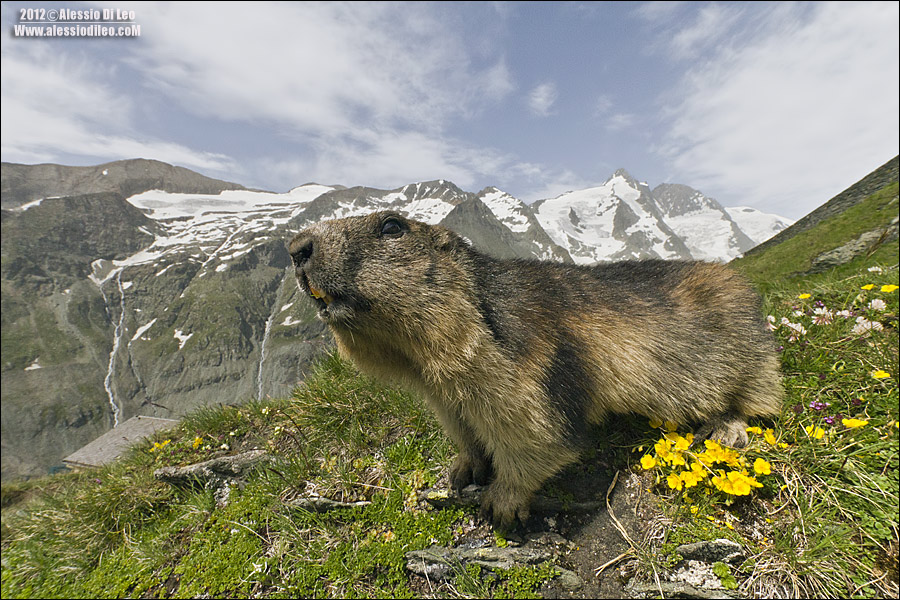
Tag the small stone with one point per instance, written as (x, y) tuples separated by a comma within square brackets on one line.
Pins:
[(720, 550), (569, 580)]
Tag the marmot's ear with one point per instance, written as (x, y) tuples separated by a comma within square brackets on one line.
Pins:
[(446, 240)]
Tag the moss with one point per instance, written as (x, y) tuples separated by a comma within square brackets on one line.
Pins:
[(524, 582), (223, 558)]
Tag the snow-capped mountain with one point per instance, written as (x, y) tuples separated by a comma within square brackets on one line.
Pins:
[(624, 219), (136, 287), (706, 228), (614, 221)]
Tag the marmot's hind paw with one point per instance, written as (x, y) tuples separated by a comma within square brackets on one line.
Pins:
[(727, 429)]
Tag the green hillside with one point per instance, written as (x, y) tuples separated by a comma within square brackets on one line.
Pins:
[(794, 258), (813, 501)]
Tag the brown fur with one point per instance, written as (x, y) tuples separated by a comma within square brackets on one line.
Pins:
[(517, 358)]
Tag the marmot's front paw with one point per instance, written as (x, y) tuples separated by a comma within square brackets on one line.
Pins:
[(727, 429), (502, 507), (468, 469)]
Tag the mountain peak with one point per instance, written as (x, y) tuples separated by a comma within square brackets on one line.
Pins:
[(622, 173)]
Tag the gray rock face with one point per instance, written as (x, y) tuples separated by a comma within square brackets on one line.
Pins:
[(861, 245)]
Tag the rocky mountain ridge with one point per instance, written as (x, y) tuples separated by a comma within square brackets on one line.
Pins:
[(136, 287)]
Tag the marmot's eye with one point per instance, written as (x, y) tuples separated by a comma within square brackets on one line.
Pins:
[(391, 228)]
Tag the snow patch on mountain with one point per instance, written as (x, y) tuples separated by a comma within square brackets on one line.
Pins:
[(758, 226), (509, 210)]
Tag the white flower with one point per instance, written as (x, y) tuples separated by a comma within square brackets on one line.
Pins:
[(798, 313), (878, 304), (844, 313), (770, 323), (796, 330), (875, 270), (822, 316), (863, 325)]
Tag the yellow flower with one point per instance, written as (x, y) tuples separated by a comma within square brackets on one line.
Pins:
[(197, 441), (159, 446), (804, 296), (769, 436), (674, 481), (756, 430), (782, 445), (879, 374), (815, 432), (648, 462), (695, 510), (712, 445), (662, 448), (868, 286), (681, 443), (762, 467), (853, 423), (887, 289), (676, 459), (690, 478), (699, 470), (729, 526), (671, 425), (724, 485), (736, 483), (655, 423)]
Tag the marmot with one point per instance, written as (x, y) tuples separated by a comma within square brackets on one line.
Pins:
[(518, 358)]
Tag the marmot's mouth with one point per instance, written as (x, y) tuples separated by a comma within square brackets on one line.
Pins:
[(320, 297)]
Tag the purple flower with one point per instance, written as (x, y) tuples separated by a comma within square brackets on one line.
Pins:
[(856, 401), (780, 348), (819, 304), (822, 376), (798, 408), (829, 420), (818, 406)]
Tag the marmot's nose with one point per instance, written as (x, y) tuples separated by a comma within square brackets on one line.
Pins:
[(301, 250)]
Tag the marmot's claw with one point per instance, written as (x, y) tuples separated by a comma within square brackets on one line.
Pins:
[(501, 511)]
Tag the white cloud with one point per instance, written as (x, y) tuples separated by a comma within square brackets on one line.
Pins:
[(713, 22), (55, 103), (603, 105), (318, 68), (542, 98), (620, 121), (785, 121)]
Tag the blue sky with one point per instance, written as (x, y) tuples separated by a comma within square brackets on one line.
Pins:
[(773, 105)]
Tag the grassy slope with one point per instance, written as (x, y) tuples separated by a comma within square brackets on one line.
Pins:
[(823, 523)]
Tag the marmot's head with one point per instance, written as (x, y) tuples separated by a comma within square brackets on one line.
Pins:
[(378, 270)]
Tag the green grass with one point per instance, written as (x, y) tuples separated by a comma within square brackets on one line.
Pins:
[(117, 532)]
